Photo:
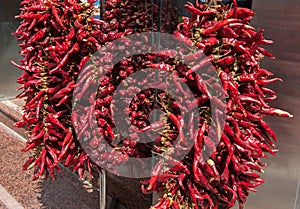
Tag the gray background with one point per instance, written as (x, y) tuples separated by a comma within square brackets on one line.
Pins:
[(8, 48)]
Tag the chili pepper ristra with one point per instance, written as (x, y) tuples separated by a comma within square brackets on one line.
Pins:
[(57, 40)]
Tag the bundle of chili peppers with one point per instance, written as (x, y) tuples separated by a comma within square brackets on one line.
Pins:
[(58, 38), (232, 170), (141, 16)]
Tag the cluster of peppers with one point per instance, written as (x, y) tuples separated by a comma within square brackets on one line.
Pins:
[(234, 47), (140, 16), (58, 38)]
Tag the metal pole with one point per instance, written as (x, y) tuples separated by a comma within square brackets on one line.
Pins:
[(102, 173), (102, 195)]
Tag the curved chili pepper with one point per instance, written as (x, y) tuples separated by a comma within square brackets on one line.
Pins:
[(228, 60), (64, 100), (240, 13), (29, 16), (52, 119), (219, 25), (37, 136), (200, 65), (56, 17), (63, 62), (40, 34), (65, 148), (183, 38), (190, 7), (29, 163), (227, 32), (52, 154)]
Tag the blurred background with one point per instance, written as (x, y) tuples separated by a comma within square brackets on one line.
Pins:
[(280, 19), (8, 48)]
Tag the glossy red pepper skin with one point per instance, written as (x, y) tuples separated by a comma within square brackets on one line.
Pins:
[(229, 43), (218, 26)]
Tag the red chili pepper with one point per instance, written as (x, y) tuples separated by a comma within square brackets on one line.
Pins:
[(32, 24), (96, 21), (57, 48), (250, 99), (265, 41), (56, 17), (52, 154), (35, 8), (83, 61), (240, 48), (275, 111), (51, 167), (44, 17), (190, 7), (155, 174), (54, 56), (228, 60), (177, 165), (29, 16), (52, 90), (200, 65), (26, 68), (82, 158), (30, 145), (154, 126), (36, 98), (30, 83), (192, 193), (256, 40), (237, 140), (52, 119), (40, 34), (82, 130), (265, 52), (164, 203), (175, 205), (213, 167), (183, 38), (240, 13), (227, 32), (179, 124), (42, 163), (248, 184), (63, 62), (254, 166), (64, 100), (268, 81), (241, 25), (27, 50), (70, 35), (219, 25), (247, 77), (65, 148), (39, 107), (268, 149), (161, 66), (70, 158), (53, 130), (259, 135), (28, 164)]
